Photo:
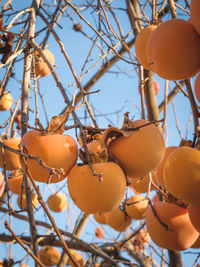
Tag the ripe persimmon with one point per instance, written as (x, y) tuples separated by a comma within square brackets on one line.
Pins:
[(160, 168), (6, 101), (15, 183), (49, 255), (11, 159), (2, 184), (57, 202), (140, 45), (141, 151), (141, 184), (180, 61), (137, 210), (41, 67), (78, 258), (118, 220), (194, 214), (182, 174), (56, 151), (92, 195), (194, 12), (99, 233), (156, 87), (171, 227), (21, 201), (99, 217), (197, 87)]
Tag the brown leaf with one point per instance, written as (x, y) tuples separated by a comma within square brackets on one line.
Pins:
[(57, 123)]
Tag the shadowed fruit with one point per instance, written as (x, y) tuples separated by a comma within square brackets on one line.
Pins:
[(21, 201), (57, 202), (78, 258), (137, 210), (182, 174), (195, 11), (118, 220), (194, 214), (57, 151), (15, 184), (180, 234), (99, 217), (197, 87), (173, 50), (6, 101), (92, 195), (140, 45), (49, 256), (11, 159), (41, 68), (140, 152), (160, 167)]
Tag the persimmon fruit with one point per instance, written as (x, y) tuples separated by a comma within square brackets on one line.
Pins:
[(160, 168), (141, 151), (99, 233), (156, 87), (57, 202), (180, 233), (140, 45), (11, 159), (197, 87), (21, 201), (118, 220), (78, 258), (137, 210), (56, 151), (182, 174), (6, 101), (141, 184), (99, 217), (15, 184), (41, 67), (167, 55), (194, 14), (92, 195), (194, 214), (49, 255)]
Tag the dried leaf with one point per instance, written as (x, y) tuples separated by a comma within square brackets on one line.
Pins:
[(57, 123)]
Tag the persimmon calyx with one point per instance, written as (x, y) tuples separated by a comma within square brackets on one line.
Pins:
[(186, 143)]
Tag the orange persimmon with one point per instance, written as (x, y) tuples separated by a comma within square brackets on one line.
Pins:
[(41, 67), (171, 227), (57, 202), (118, 220), (92, 195), (21, 201), (6, 101), (99, 217), (56, 151), (49, 255), (15, 184), (137, 210)]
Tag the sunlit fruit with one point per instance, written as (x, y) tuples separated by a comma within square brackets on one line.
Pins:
[(6, 101), (136, 210), (194, 12), (21, 201), (194, 214), (141, 184), (49, 255), (41, 67), (197, 87), (141, 151), (57, 202), (99, 232), (57, 151), (182, 174), (92, 195), (11, 159), (167, 55), (2, 184), (78, 258), (171, 227), (15, 184), (99, 217), (160, 167), (140, 45), (118, 220)]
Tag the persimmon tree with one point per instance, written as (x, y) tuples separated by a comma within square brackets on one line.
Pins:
[(99, 121)]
